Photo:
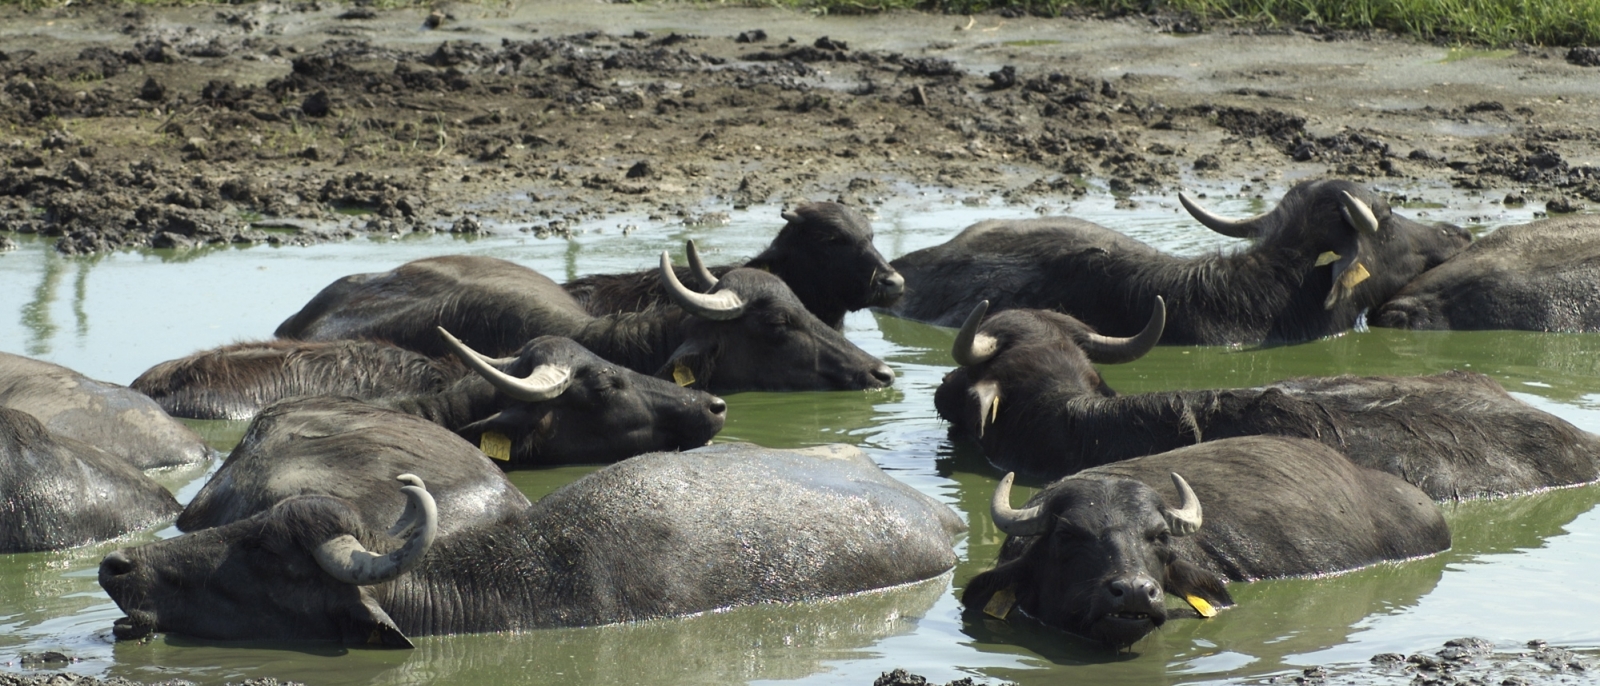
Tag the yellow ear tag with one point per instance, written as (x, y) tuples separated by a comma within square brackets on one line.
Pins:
[(1000, 603), (681, 374), (1354, 275), (1201, 606), (495, 445), (1327, 258)]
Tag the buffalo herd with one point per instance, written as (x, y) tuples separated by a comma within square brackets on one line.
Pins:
[(367, 502)]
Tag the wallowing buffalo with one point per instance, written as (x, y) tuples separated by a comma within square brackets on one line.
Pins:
[(1028, 393), (58, 492), (1326, 254), (113, 418), (553, 402), (1543, 276), (824, 253), (1097, 553), (660, 535), (748, 333)]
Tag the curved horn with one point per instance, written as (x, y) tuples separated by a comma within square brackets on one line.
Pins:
[(716, 306), (409, 518), (708, 280), (1025, 522), (345, 559), (1357, 213), (1186, 519), (790, 216), (970, 348), (1111, 350), (1236, 228), (545, 382)]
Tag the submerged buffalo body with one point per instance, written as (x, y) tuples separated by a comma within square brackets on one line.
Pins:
[(660, 535), (552, 402), (1543, 276), (824, 253), (749, 333), (1329, 251), (118, 420), (1029, 395), (58, 492), (1097, 553)]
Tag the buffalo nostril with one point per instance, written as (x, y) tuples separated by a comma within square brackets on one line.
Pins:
[(892, 282), (717, 405), (116, 564), (883, 374)]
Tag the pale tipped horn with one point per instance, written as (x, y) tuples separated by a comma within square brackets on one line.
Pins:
[(970, 348), (545, 382), (410, 517), (1025, 522), (344, 558), (1357, 213), (1186, 519), (1111, 350), (1236, 228), (708, 280), (719, 306)]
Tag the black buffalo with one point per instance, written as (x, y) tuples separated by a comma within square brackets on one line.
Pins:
[(1543, 276), (553, 402), (660, 535), (824, 253), (1028, 393), (1097, 553), (119, 421), (57, 492), (748, 333), (1326, 254)]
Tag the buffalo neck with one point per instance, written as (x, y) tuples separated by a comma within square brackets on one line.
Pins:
[(1243, 297), (641, 341), (467, 400)]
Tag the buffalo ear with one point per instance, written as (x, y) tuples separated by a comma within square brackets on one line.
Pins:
[(983, 587), (1184, 579), (688, 366), (366, 624)]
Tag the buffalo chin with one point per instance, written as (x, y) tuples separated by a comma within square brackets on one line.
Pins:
[(1121, 629), (136, 625)]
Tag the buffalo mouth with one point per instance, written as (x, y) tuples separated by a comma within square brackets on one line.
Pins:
[(1119, 629), (137, 624)]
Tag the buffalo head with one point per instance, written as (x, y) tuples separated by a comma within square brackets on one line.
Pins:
[(557, 402), (1371, 251), (749, 331), (297, 571), (826, 256), (1094, 556)]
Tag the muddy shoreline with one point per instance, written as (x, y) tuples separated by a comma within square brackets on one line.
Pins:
[(295, 123)]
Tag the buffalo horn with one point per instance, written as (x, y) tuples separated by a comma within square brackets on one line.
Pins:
[(344, 558), (1186, 519), (708, 280), (1110, 350), (545, 382), (1025, 522), (1236, 228), (1357, 213), (971, 348), (720, 306)]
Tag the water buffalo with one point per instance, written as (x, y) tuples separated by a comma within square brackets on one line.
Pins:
[(1097, 553), (824, 253), (659, 535), (114, 418), (553, 402), (58, 492), (1028, 393), (748, 333), (1327, 253), (1543, 276)]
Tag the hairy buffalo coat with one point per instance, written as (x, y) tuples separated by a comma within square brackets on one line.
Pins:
[(1030, 396), (824, 253), (660, 535), (1543, 276), (1326, 254), (1098, 553), (748, 333)]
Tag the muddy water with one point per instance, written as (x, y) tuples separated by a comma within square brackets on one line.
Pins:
[(1520, 568)]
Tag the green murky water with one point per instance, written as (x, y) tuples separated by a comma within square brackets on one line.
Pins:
[(1521, 568)]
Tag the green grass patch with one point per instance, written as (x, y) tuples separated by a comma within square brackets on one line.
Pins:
[(1477, 22)]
